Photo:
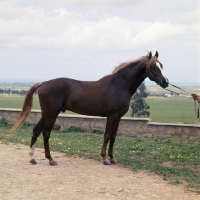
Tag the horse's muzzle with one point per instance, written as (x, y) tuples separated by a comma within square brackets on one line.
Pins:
[(164, 84)]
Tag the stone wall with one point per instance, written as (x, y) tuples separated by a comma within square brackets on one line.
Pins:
[(127, 126), (182, 130)]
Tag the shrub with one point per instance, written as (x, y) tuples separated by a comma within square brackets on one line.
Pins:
[(74, 129)]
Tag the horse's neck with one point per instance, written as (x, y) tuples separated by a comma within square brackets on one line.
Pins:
[(133, 77), (137, 83)]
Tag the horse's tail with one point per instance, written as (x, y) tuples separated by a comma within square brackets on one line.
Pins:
[(26, 109)]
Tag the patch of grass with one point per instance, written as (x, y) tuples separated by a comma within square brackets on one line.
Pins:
[(176, 159)]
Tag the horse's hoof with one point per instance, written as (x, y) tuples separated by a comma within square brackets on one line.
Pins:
[(106, 162), (53, 163), (114, 162), (33, 161)]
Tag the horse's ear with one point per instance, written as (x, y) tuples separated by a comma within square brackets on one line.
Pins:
[(150, 55), (156, 55)]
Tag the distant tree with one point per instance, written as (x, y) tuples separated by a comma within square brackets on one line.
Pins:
[(14, 92), (7, 91), (139, 108), (22, 92)]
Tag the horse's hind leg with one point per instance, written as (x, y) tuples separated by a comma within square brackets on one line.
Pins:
[(36, 132), (46, 134)]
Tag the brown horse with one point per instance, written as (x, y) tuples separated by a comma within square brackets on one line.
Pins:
[(108, 97)]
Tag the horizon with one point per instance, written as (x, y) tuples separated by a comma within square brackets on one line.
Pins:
[(147, 82)]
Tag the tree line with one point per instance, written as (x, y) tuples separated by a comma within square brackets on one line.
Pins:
[(13, 92)]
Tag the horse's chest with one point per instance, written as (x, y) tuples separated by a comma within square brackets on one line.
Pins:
[(120, 107)]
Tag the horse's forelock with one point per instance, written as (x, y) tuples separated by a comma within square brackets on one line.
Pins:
[(152, 61)]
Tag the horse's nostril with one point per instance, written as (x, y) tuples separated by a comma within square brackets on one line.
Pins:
[(165, 83)]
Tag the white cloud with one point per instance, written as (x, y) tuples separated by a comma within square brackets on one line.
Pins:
[(158, 31), (63, 3), (190, 17), (64, 29)]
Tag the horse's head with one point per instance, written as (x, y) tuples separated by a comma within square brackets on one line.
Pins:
[(155, 70)]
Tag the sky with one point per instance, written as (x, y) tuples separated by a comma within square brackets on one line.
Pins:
[(85, 40)]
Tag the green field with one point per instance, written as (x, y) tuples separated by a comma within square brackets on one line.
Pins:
[(172, 110), (162, 109), (9, 101)]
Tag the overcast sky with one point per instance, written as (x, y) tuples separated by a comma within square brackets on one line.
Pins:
[(46, 39)]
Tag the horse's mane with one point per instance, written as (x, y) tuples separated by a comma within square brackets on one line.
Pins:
[(125, 64)]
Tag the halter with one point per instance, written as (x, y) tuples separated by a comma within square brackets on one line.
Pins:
[(149, 71), (154, 78)]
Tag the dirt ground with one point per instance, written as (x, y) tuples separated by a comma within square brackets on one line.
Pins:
[(78, 179)]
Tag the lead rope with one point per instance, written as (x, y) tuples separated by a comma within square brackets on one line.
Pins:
[(196, 110), (179, 88)]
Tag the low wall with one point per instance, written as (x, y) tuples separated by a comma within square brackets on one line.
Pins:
[(127, 126)]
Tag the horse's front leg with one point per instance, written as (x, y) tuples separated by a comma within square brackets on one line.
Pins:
[(110, 134), (110, 151)]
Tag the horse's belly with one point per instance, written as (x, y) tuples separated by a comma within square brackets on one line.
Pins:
[(87, 107)]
